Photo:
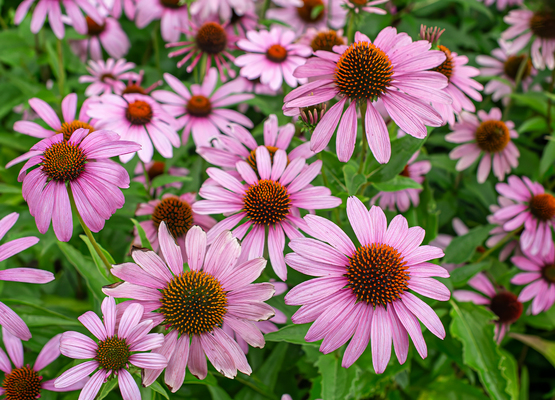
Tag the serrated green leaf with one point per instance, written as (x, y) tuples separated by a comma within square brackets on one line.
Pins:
[(396, 184), (451, 388), (542, 346), (463, 247), (142, 234)]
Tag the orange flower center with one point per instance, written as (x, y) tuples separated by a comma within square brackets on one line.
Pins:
[(267, 202), (68, 128), (542, 206), (211, 38), (542, 24), (446, 68), (63, 161), (139, 112), (133, 88), (326, 41), (199, 106), (492, 136), (22, 384), (276, 53), (177, 215), (112, 354)]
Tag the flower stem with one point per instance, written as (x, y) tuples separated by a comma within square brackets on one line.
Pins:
[(518, 78), (351, 28), (88, 232), (363, 107), (61, 70), (550, 102), (498, 245), (147, 178), (156, 46), (264, 8)]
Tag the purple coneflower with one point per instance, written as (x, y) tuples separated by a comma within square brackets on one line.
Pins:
[(106, 76), (116, 6), (195, 302), (268, 197), (505, 305), (323, 39), (488, 135), (83, 162), (365, 292), (115, 351), (173, 16), (239, 25), (397, 75)]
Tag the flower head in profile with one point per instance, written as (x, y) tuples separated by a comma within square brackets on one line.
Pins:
[(155, 169), (263, 204), (490, 137), (81, 166), (529, 207), (304, 14), (54, 11), (323, 39), (135, 84), (106, 76), (178, 215), (194, 302), (526, 26), (23, 381), (9, 320), (398, 75), (402, 199), (209, 39), (365, 292), (173, 16), (505, 66), (504, 304), (272, 57), (202, 109), (140, 118), (239, 144), (539, 278), (113, 353)]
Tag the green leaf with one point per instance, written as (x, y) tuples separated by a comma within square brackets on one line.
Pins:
[(353, 180), (162, 180), (524, 383), (471, 324), (478, 7), (107, 388), (460, 276), (396, 184), (9, 189), (463, 247), (548, 157), (542, 346), (96, 258), (336, 380), (218, 393), (290, 334), (159, 389), (36, 321), (86, 268), (509, 369), (316, 11), (531, 100), (142, 234), (402, 150), (451, 388)]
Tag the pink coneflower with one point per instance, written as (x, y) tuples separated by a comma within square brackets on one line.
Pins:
[(134, 84), (115, 351), (301, 17), (203, 111), (239, 25), (505, 305), (106, 77), (23, 381), (54, 11), (269, 200), (397, 75), (366, 6), (9, 319), (155, 169), (502, 4), (539, 278), (323, 38), (402, 198), (83, 162), (239, 144), (172, 14), (108, 33), (533, 208), (365, 292), (210, 39), (498, 233), (489, 135), (459, 76), (115, 7), (225, 9), (272, 56), (177, 213), (505, 66), (194, 303), (139, 118), (529, 25), (48, 115)]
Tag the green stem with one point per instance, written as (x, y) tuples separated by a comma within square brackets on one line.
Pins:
[(61, 70), (518, 78), (88, 232), (202, 67), (351, 28), (147, 178), (497, 246), (264, 8), (549, 101), (363, 107), (156, 46)]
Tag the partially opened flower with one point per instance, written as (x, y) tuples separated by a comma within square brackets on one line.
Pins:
[(107, 34), (177, 213), (488, 135), (532, 209), (272, 56), (365, 292), (155, 169), (139, 118), (48, 115), (106, 76), (80, 165), (527, 25), (397, 75), (23, 381), (539, 278), (505, 305), (208, 39), (194, 302), (113, 353), (203, 110), (9, 320), (225, 9), (54, 11), (402, 199), (173, 16), (267, 198), (238, 144), (505, 66), (300, 17)]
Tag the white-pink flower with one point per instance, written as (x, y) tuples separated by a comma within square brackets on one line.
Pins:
[(106, 76), (173, 17)]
